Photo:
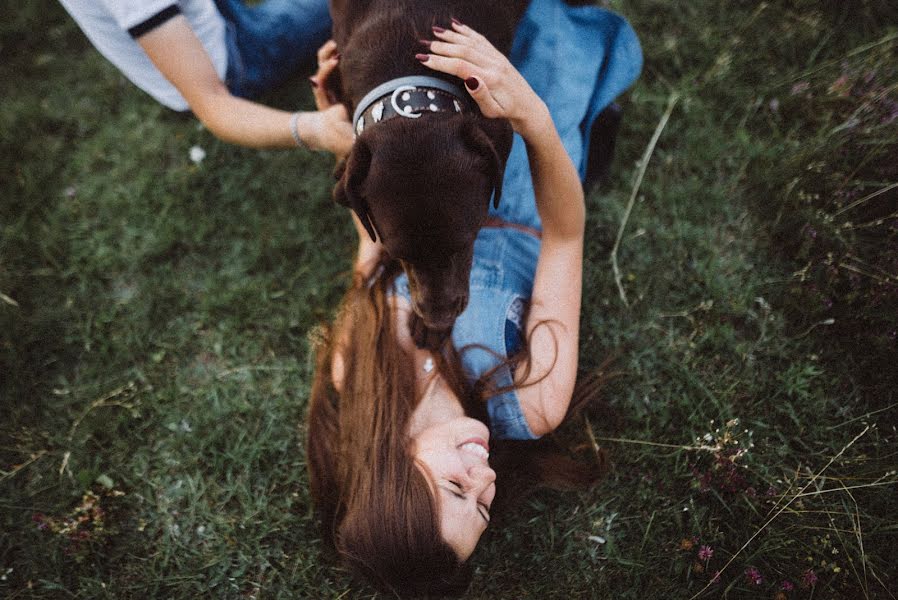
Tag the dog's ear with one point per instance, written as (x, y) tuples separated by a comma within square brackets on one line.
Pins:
[(350, 175), (491, 138)]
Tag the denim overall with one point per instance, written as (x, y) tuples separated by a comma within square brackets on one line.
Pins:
[(578, 59), (501, 284)]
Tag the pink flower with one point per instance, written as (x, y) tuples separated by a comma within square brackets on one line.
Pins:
[(801, 86), (809, 578), (716, 578), (754, 576), (705, 553), (787, 586)]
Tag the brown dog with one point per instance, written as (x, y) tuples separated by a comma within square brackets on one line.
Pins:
[(425, 164)]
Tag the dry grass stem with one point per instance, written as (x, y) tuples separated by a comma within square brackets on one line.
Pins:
[(643, 166), (4, 475), (784, 507)]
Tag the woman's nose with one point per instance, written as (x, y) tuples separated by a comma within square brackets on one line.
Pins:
[(482, 475)]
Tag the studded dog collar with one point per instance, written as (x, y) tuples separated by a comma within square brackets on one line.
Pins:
[(408, 97)]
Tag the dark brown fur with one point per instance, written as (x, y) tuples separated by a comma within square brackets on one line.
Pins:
[(423, 185)]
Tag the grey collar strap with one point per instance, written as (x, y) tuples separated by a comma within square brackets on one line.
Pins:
[(408, 97)]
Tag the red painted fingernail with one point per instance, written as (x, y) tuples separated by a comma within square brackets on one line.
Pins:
[(438, 29), (425, 43), (471, 83), (457, 22), (313, 82), (423, 57), (337, 55)]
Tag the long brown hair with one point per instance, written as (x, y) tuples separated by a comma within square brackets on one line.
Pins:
[(375, 504)]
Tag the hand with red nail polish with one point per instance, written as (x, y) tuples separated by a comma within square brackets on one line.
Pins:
[(498, 88)]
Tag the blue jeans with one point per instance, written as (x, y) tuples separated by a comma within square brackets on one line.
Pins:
[(269, 41)]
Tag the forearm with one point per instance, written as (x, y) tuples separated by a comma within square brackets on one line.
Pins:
[(239, 121), (556, 183), (181, 58), (246, 123)]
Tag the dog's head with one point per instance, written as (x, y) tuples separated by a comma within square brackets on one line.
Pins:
[(423, 187)]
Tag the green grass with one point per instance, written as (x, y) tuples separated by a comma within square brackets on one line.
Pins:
[(154, 330)]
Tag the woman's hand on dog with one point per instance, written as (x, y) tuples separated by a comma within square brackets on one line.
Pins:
[(333, 131), (498, 88)]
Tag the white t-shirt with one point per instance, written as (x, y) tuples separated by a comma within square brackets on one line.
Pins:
[(110, 25)]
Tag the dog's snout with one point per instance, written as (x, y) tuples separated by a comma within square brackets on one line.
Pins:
[(442, 315)]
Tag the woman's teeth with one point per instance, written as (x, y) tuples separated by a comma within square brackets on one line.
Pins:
[(477, 449)]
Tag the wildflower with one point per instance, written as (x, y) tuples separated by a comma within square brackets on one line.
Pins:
[(753, 576), (809, 578), (798, 88), (686, 544), (774, 105), (41, 520), (780, 596), (840, 86), (705, 553), (197, 154), (698, 568), (787, 586), (715, 579)]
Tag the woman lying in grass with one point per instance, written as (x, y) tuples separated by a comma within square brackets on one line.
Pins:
[(404, 444)]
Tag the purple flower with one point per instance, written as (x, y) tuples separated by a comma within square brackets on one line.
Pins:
[(753, 576), (705, 553), (716, 578), (787, 586), (41, 520), (809, 578)]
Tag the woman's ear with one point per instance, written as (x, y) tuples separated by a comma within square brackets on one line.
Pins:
[(491, 139), (350, 174)]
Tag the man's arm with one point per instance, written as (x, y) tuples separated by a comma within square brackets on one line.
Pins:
[(180, 56)]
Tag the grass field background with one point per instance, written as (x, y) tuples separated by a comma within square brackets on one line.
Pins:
[(155, 317)]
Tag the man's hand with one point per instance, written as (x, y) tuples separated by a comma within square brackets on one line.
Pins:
[(332, 130)]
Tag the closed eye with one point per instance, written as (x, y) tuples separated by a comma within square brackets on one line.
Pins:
[(483, 511), (460, 492)]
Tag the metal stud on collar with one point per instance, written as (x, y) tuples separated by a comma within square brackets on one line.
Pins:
[(405, 111)]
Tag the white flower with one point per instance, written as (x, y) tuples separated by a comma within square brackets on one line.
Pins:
[(197, 154)]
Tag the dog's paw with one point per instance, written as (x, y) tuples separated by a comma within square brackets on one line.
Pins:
[(425, 337)]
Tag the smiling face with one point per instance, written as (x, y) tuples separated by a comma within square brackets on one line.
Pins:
[(453, 457)]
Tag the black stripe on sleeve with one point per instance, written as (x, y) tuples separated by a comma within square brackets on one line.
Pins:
[(155, 21)]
